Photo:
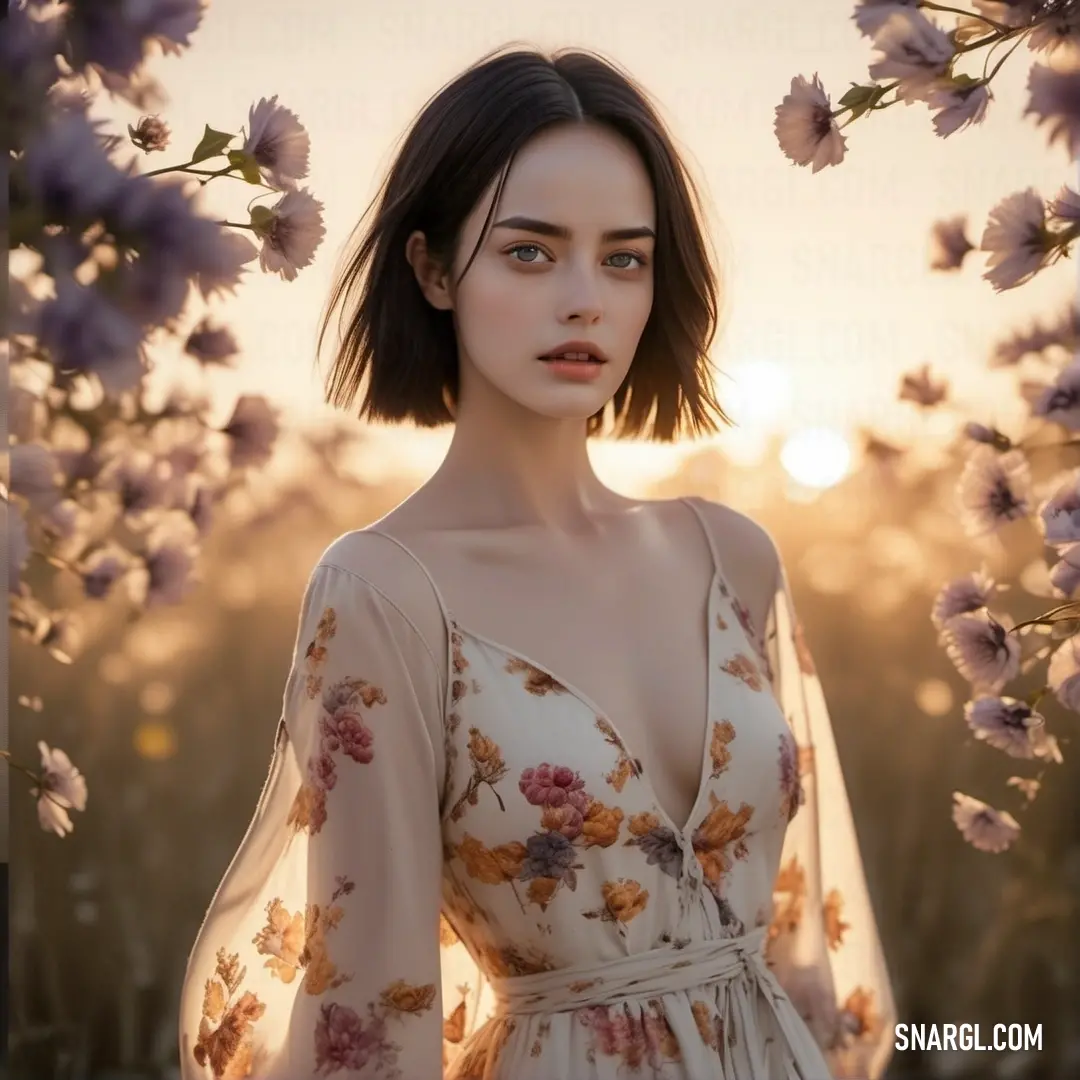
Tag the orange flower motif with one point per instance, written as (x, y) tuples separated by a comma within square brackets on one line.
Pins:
[(447, 934), (282, 939), (722, 734), (308, 811), (227, 1047), (601, 827), (402, 997), (624, 898), (834, 926), (453, 1030), (320, 971), (859, 1006), (492, 866), (541, 891), (710, 1026), (742, 667), (789, 892), (720, 836), (537, 682), (643, 824)]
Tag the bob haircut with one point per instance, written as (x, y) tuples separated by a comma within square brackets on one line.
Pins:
[(465, 138)]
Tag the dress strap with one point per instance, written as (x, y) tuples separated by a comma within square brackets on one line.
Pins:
[(447, 617), (718, 567)]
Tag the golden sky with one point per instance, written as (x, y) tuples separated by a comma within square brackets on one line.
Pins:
[(828, 272)]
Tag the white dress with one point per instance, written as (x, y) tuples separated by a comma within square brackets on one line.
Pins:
[(508, 901)]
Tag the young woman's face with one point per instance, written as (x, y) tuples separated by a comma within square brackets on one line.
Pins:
[(569, 257)]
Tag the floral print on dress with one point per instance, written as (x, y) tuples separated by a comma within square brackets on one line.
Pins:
[(326, 954), (343, 731)]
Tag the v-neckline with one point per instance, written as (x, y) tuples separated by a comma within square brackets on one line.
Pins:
[(584, 699)]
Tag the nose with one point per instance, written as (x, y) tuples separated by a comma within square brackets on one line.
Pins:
[(583, 303)]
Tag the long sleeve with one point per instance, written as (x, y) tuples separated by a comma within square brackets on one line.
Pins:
[(320, 951), (824, 945)]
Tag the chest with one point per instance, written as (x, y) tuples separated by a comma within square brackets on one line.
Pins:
[(629, 637)]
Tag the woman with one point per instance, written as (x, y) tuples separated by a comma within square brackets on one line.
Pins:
[(582, 728)]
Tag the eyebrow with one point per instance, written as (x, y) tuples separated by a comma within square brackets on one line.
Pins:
[(545, 228)]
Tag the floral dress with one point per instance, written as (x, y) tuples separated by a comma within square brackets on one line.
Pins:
[(459, 869)]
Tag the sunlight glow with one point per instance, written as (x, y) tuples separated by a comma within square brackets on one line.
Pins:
[(759, 394), (816, 457)]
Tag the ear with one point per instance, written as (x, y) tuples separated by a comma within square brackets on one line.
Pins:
[(432, 277)]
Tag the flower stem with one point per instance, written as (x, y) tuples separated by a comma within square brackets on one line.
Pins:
[(960, 11), (236, 224), (169, 168), (6, 755)]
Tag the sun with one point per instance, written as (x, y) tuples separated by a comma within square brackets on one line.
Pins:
[(816, 457)]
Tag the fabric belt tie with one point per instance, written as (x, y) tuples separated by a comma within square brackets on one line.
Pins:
[(646, 974), (703, 965)]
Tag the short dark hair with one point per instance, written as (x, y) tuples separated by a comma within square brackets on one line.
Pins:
[(465, 136)]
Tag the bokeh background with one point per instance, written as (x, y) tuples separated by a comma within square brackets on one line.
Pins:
[(171, 718)]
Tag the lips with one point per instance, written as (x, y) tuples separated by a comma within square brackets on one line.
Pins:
[(582, 352)]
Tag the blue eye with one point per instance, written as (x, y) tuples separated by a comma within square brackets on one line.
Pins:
[(641, 259), (523, 247)]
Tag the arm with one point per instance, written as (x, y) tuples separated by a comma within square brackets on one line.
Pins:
[(824, 945), (320, 951)]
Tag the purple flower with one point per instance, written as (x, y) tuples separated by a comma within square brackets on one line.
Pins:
[(1054, 97), (1060, 514), (982, 826), (949, 243), (278, 143), (1007, 724), (1057, 29), (116, 36), (1063, 673), (920, 388), (1017, 239), (151, 133), (101, 571), (67, 171), (805, 128), (1065, 206), (958, 106), (1058, 402), (171, 244), (139, 478), (871, 15), (201, 509), (34, 474), (85, 333), (1065, 575), (211, 344), (170, 562), (253, 429), (982, 651), (961, 596), (914, 50), (28, 49), (290, 230), (994, 489)]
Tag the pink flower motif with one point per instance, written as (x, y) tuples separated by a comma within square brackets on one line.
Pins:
[(555, 786), (342, 1042), (345, 730), (323, 772)]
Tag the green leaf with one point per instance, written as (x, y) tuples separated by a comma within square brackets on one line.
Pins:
[(212, 144), (248, 166)]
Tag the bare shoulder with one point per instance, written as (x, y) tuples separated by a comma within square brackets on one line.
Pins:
[(385, 566), (748, 553)]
